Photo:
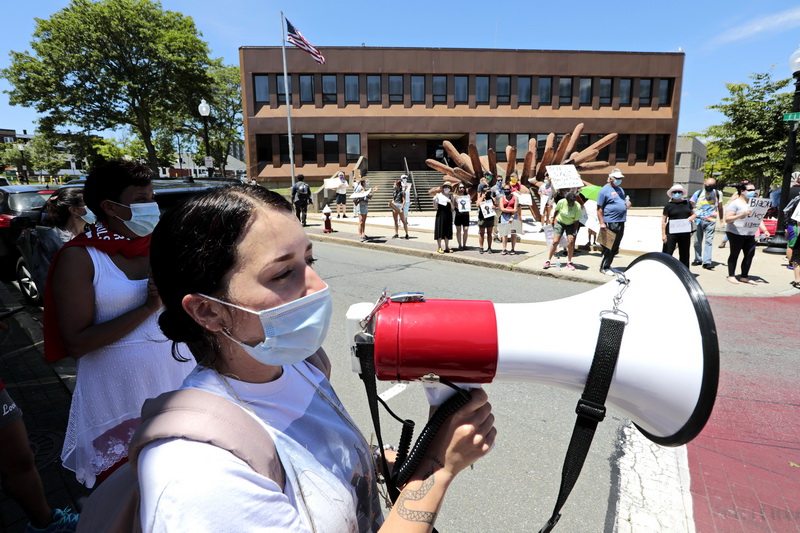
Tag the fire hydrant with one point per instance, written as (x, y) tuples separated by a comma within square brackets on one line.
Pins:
[(327, 212)]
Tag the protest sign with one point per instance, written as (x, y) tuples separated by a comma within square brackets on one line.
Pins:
[(680, 226), (564, 176), (487, 208), (463, 204), (524, 199), (606, 238), (758, 208)]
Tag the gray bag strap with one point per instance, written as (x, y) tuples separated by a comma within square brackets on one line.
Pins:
[(205, 417)]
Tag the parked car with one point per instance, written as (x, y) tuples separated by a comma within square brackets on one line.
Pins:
[(168, 193), (18, 205)]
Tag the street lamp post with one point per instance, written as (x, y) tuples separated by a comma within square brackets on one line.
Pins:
[(205, 110), (180, 155), (24, 170), (778, 243)]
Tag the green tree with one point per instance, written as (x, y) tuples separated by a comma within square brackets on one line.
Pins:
[(44, 156), (109, 63), (10, 157), (753, 138)]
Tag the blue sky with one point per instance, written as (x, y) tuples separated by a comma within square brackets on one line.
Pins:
[(723, 41)]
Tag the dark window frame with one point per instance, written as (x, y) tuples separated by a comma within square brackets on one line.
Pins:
[(279, 89), (260, 91), (417, 96), (306, 96), (330, 156), (461, 83), (642, 140), (524, 94), (665, 92), (583, 97), (660, 147), (308, 148), (352, 157), (439, 96), (372, 96), (548, 92), (329, 97), (645, 91), (565, 90), (503, 94), (348, 89), (606, 91), (395, 95), (481, 85), (625, 102)]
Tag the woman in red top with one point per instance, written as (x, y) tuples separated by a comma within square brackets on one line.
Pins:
[(509, 217)]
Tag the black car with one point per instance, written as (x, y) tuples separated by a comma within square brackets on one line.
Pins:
[(18, 205), (30, 274)]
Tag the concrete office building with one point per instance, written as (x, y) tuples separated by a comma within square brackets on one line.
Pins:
[(392, 105)]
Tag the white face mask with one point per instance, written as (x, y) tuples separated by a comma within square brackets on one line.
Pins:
[(88, 216), (447, 190), (144, 218), (292, 331)]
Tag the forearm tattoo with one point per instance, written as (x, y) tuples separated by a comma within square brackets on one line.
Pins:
[(416, 495)]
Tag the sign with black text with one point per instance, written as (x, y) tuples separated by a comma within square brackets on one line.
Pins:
[(758, 208)]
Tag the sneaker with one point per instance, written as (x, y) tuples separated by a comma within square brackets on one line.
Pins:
[(608, 272), (364, 239), (395, 236), (696, 263), (63, 522), (708, 266), (570, 266), (407, 237), (344, 216), (546, 265), (480, 250)]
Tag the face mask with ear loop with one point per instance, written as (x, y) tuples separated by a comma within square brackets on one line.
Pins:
[(144, 217), (292, 331)]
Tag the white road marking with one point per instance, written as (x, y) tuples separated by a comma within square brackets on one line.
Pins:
[(394, 391)]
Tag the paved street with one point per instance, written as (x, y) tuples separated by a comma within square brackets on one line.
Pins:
[(741, 474)]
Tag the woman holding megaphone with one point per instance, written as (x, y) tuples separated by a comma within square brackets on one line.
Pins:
[(235, 273)]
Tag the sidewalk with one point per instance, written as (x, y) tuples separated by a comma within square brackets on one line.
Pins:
[(642, 235)]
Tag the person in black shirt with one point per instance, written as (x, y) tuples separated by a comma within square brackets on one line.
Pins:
[(675, 233)]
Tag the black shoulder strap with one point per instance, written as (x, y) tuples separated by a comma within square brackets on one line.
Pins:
[(591, 410)]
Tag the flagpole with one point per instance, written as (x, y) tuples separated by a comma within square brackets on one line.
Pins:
[(287, 95)]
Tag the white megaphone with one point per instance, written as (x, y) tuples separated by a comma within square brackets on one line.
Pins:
[(665, 383)]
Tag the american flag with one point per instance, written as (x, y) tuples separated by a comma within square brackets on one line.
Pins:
[(297, 39)]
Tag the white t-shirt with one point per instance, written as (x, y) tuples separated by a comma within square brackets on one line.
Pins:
[(192, 486)]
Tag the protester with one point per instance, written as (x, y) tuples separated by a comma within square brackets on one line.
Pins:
[(101, 309), (486, 221), (741, 241), (407, 205), (707, 203), (461, 218), (678, 208), (301, 197), (341, 196), (793, 247), (362, 195), (546, 200), (397, 205), (257, 264), (565, 222), (612, 212), (65, 217), (509, 219), (443, 223)]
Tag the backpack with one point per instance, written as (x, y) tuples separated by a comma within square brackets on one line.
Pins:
[(189, 414), (303, 192)]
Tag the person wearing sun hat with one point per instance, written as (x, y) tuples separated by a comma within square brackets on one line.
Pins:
[(677, 234), (612, 212)]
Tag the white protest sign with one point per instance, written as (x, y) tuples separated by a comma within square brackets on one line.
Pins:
[(796, 214), (680, 226), (564, 176), (524, 199), (463, 204), (549, 233), (487, 208), (334, 183), (749, 224), (441, 199), (361, 194), (592, 223)]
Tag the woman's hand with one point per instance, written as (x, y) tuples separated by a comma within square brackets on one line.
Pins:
[(664, 238)]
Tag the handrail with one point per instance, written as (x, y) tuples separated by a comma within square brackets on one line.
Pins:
[(413, 184)]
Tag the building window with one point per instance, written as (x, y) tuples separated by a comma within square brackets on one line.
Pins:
[(583, 143), (503, 90), (308, 143), (664, 92), (565, 91), (522, 144), (330, 146), (306, 89), (545, 90), (585, 91), (623, 147), (439, 89), (541, 140), (482, 143), (395, 88), (281, 87), (374, 89), (660, 148), (329, 88), (625, 91), (645, 91), (482, 89), (417, 89), (461, 89), (641, 148), (261, 90), (523, 90), (605, 151), (351, 95), (283, 144), (605, 91), (500, 143), (353, 146)]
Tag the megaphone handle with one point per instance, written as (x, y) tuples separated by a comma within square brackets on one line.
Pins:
[(437, 393)]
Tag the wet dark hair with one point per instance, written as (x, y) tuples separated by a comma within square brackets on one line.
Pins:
[(108, 181), (192, 249), (57, 207)]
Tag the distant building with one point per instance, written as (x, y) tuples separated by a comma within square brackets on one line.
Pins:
[(690, 156), (392, 105)]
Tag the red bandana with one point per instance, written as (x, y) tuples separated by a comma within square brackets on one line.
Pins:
[(107, 242)]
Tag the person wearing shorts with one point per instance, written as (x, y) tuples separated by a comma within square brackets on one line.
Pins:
[(461, 218), (341, 196), (565, 222)]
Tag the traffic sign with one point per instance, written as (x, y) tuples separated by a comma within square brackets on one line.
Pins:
[(788, 117)]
